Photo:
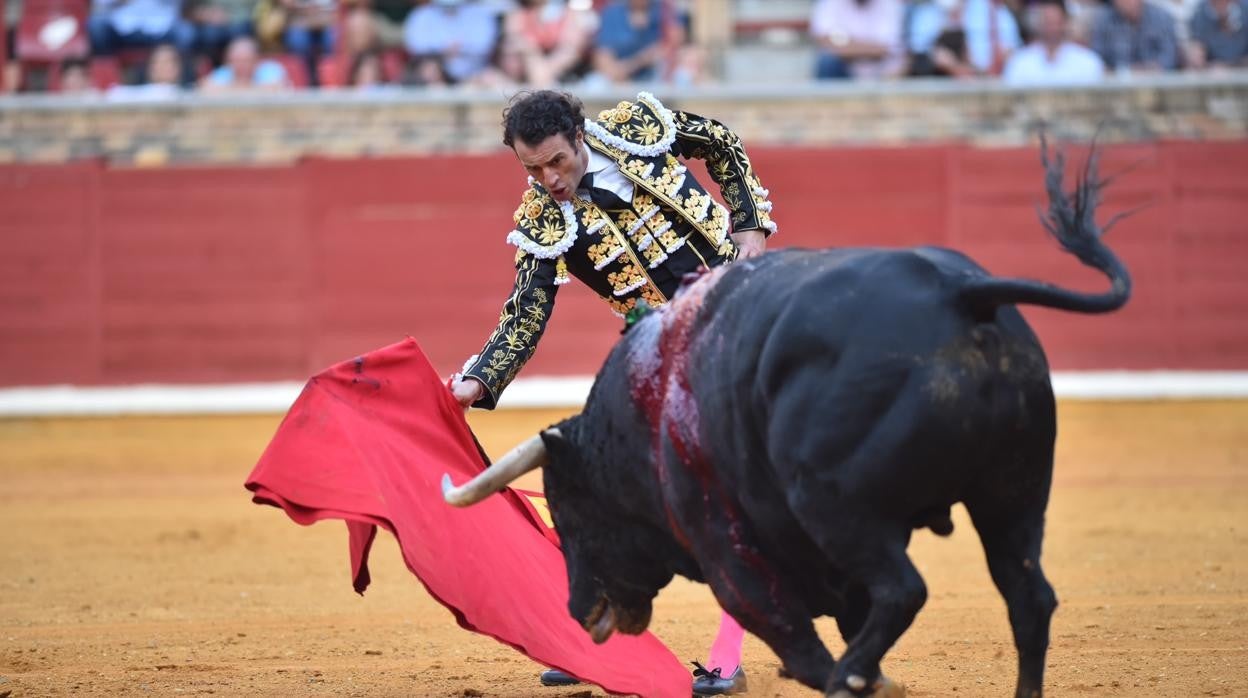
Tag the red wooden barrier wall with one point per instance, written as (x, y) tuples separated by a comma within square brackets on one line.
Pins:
[(239, 274)]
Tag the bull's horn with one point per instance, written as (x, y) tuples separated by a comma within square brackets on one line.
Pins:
[(527, 456)]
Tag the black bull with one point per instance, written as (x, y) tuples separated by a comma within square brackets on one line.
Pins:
[(779, 429)]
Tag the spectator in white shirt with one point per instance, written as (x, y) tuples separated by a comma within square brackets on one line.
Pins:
[(962, 38), (452, 42), (119, 24), (1052, 59), (858, 38)]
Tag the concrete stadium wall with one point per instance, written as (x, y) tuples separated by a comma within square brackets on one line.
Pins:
[(280, 129), (234, 274)]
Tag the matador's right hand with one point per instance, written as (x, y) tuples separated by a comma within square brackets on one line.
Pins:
[(466, 390)]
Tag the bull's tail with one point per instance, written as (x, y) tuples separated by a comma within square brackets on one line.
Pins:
[(1074, 226)]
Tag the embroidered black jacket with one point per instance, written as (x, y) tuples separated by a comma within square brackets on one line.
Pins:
[(674, 227)]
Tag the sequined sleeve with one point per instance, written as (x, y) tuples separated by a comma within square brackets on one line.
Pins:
[(520, 326), (727, 163)]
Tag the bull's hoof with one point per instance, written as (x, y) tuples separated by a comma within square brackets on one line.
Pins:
[(887, 688), (884, 688)]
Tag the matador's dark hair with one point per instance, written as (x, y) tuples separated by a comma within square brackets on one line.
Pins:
[(532, 117)]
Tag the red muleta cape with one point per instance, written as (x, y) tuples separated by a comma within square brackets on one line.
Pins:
[(367, 441)]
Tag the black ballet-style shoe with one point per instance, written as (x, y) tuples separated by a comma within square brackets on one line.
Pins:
[(713, 683), (554, 677)]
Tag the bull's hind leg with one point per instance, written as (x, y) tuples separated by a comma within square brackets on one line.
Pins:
[(1010, 521)]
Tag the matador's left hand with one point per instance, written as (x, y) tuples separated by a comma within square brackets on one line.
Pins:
[(751, 243)]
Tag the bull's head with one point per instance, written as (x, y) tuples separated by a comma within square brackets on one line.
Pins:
[(615, 567)]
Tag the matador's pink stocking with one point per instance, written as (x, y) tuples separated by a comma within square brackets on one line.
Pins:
[(726, 652)]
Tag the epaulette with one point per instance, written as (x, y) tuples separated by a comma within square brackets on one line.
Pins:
[(545, 228), (644, 127)]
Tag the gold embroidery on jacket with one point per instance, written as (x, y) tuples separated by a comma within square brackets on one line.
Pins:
[(551, 229), (636, 122), (649, 131), (517, 340), (696, 205), (622, 307), (732, 195), (601, 252), (654, 254), (638, 168), (613, 248), (629, 278), (652, 296), (671, 179)]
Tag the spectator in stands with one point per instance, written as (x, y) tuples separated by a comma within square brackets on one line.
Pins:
[(163, 78), (684, 61), (962, 38), (11, 79), (1051, 58), (386, 18), (368, 73), (217, 22), (245, 70), (452, 42), (629, 46), (546, 42), (119, 24), (1083, 14), (75, 78), (1181, 11), (1219, 34), (366, 70), (858, 38), (268, 25), (359, 33), (1133, 35), (310, 31)]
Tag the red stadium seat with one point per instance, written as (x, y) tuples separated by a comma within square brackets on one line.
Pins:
[(331, 71), (134, 56), (52, 30), (393, 62), (335, 71), (296, 70), (105, 72)]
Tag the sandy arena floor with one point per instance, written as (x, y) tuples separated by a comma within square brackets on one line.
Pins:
[(132, 562)]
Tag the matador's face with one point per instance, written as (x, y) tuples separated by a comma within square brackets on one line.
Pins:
[(555, 163)]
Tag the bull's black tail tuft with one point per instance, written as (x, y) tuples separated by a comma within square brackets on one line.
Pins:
[(1073, 225)]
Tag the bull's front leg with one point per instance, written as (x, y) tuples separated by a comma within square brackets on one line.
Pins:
[(706, 519), (744, 581), (896, 593), (763, 605)]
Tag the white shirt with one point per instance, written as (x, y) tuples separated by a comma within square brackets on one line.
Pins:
[(470, 28), (151, 17), (877, 22), (1072, 64), (607, 176)]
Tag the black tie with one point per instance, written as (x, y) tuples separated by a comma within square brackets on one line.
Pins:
[(605, 198)]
